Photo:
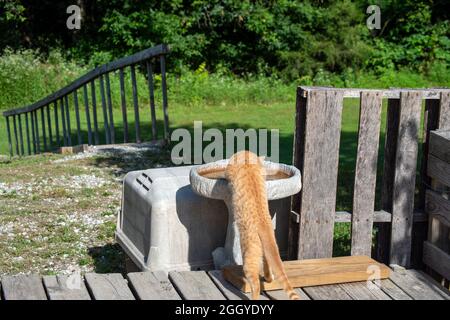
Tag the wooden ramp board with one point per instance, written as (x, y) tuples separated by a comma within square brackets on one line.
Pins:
[(316, 272)]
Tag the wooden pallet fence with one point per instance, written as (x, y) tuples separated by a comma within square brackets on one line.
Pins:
[(401, 227)]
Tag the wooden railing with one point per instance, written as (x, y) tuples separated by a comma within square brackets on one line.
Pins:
[(401, 228), (47, 124), (437, 249)]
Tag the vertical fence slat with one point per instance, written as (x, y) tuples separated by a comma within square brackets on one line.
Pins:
[(55, 110), (135, 103), (444, 111), (86, 110), (110, 110), (77, 116), (405, 177), (27, 128), (36, 127), (124, 106), (164, 97), (49, 125), (8, 129), (33, 132), (22, 151), (69, 131), (43, 128), (16, 138), (94, 112), (320, 168), (105, 114), (151, 92), (366, 172), (390, 146), (63, 121)]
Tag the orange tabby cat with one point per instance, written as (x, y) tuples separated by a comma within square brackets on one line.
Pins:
[(245, 173)]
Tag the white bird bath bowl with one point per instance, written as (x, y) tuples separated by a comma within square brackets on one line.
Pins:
[(209, 181)]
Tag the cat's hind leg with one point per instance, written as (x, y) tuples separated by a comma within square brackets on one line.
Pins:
[(268, 276), (252, 265)]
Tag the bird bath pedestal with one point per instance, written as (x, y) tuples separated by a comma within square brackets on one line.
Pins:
[(208, 180)]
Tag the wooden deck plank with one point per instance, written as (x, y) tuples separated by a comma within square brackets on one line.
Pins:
[(392, 290), (364, 291), (195, 285), (60, 288), (108, 286), (417, 286), (228, 290), (23, 287), (152, 286), (327, 292), (281, 294)]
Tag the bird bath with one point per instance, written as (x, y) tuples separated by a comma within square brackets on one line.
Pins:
[(209, 181)]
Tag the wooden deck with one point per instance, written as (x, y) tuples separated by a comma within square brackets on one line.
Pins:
[(208, 285)]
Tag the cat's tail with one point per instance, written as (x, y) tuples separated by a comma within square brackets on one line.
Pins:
[(271, 253)]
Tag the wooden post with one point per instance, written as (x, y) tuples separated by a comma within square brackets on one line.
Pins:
[(94, 112), (77, 116), (135, 102), (55, 109), (16, 139), (88, 118), (105, 114), (36, 127), (33, 132), (63, 120), (151, 92), (43, 128), (49, 125), (8, 128), (366, 172), (405, 177), (110, 110), (28, 133), (124, 106), (22, 151), (164, 96), (69, 131), (320, 166)]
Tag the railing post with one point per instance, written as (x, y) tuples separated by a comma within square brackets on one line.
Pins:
[(110, 110), (164, 96), (105, 114), (49, 125), (88, 118), (124, 106), (136, 105), (8, 128), (36, 127), (151, 91), (15, 135), (94, 112), (63, 121), (43, 128), (28, 133), (77, 116), (22, 151), (66, 102), (33, 132), (55, 110)]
